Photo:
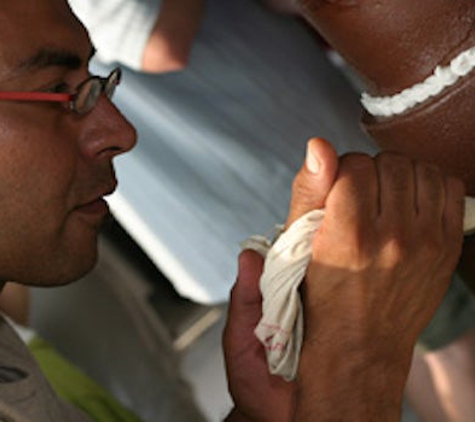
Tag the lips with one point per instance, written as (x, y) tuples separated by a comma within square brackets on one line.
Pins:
[(97, 205)]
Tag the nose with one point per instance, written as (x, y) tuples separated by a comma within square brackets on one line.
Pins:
[(107, 132)]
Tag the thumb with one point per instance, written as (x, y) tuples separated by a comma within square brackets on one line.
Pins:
[(245, 295), (314, 180), (244, 310)]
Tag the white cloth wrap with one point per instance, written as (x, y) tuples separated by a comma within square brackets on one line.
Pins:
[(280, 329)]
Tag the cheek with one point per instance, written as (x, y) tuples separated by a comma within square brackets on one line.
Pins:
[(37, 182), (44, 158), (41, 241), (43, 176), (33, 215)]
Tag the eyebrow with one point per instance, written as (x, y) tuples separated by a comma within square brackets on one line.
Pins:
[(47, 57)]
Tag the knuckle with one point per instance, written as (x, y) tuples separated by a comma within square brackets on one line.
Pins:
[(428, 170), (398, 249), (393, 164), (389, 158), (394, 251), (431, 177), (358, 251), (356, 161), (356, 171), (395, 172)]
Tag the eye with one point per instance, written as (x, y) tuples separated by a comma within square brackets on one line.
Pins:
[(59, 88)]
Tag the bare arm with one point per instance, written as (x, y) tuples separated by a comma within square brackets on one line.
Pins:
[(171, 40)]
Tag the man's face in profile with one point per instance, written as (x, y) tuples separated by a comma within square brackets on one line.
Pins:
[(55, 165)]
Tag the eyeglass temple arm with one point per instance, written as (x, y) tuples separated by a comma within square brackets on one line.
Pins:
[(35, 96)]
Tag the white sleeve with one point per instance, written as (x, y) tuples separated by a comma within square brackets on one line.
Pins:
[(119, 29)]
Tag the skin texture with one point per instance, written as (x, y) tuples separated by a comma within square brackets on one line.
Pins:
[(393, 44), (52, 161)]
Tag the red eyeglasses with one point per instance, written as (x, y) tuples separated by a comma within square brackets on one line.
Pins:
[(81, 101)]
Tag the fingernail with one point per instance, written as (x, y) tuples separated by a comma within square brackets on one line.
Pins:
[(313, 165)]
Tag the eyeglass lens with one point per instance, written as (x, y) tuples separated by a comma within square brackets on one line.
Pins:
[(89, 92)]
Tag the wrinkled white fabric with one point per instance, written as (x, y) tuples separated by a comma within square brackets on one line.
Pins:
[(280, 329)]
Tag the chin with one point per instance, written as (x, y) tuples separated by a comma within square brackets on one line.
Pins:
[(80, 257), (70, 266), (78, 273), (78, 268), (62, 276)]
